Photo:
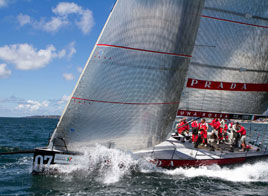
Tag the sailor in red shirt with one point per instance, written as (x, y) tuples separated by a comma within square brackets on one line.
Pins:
[(218, 127), (183, 128), (243, 133), (213, 122), (203, 127), (225, 130), (214, 125), (194, 126)]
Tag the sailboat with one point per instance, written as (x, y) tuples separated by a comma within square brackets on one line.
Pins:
[(156, 59)]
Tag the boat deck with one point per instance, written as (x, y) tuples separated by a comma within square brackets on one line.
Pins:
[(175, 153)]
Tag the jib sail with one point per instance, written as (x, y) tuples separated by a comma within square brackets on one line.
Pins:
[(129, 91)]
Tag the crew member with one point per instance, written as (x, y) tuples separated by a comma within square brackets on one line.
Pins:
[(214, 130), (225, 131), (243, 133), (236, 135), (231, 130), (221, 130), (183, 128), (194, 126), (203, 127)]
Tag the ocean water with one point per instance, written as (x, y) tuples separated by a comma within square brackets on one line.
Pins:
[(94, 177)]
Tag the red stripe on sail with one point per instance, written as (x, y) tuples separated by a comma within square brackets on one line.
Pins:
[(226, 86), (232, 21), (123, 103), (143, 50)]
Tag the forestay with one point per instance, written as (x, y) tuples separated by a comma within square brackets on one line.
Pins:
[(129, 91), (228, 72)]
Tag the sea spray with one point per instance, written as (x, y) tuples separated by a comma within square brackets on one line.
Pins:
[(257, 172), (111, 165), (106, 165)]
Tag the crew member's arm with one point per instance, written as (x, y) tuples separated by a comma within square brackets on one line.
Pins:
[(241, 130)]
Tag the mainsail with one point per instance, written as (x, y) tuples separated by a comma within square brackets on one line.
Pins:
[(228, 72), (129, 91)]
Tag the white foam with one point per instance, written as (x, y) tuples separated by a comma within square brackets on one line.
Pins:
[(257, 172), (110, 166), (107, 165)]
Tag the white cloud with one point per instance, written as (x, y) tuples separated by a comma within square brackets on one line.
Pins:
[(71, 49), (23, 19), (65, 14), (86, 23), (54, 24), (63, 100), (79, 69), (68, 76), (62, 53), (4, 72), (65, 8), (31, 105), (3, 3), (26, 57)]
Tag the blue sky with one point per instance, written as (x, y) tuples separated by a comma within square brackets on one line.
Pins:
[(43, 47)]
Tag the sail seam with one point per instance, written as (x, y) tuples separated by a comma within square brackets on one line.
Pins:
[(144, 50), (232, 21), (122, 103), (247, 15), (241, 69)]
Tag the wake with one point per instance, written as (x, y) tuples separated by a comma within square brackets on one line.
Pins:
[(257, 172), (110, 166)]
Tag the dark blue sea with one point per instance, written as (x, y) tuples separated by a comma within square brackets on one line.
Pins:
[(137, 178)]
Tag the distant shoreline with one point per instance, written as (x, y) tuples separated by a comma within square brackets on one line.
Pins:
[(44, 116)]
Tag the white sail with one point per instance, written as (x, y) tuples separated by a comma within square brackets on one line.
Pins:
[(129, 91), (229, 69)]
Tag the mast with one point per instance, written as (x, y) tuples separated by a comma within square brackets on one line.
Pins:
[(129, 91)]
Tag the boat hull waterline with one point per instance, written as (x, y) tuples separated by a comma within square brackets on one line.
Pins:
[(169, 154)]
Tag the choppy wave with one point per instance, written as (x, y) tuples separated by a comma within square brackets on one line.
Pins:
[(8, 149), (110, 166)]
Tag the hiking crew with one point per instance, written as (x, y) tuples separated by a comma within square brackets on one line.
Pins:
[(220, 132)]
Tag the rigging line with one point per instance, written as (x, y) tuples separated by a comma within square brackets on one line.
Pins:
[(233, 21), (123, 103), (144, 50), (229, 68), (236, 13)]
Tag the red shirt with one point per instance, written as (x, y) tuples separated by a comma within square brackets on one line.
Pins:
[(182, 127), (242, 130), (217, 125), (212, 122), (203, 126), (194, 124)]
